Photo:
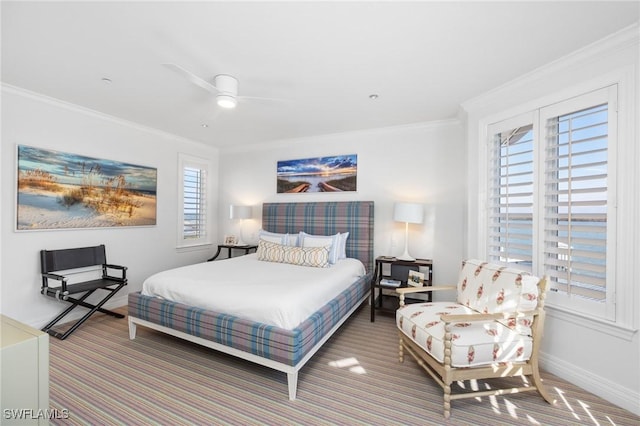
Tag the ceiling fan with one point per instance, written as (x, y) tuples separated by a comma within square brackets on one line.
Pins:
[(224, 87)]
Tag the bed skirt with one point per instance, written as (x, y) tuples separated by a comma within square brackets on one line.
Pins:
[(266, 341)]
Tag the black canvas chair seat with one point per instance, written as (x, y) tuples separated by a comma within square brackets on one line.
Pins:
[(54, 262)]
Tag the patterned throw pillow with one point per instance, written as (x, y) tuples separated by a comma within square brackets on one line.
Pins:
[(331, 241), (317, 257)]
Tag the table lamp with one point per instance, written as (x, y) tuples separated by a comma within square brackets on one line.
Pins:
[(240, 212), (407, 213)]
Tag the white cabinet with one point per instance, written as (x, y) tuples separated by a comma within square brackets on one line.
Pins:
[(24, 391)]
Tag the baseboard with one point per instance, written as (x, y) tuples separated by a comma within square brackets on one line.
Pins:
[(600, 386)]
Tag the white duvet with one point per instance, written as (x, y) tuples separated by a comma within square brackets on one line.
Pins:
[(279, 294)]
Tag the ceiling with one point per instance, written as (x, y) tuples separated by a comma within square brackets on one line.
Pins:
[(323, 59)]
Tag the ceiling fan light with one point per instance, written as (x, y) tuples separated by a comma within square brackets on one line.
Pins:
[(226, 101)]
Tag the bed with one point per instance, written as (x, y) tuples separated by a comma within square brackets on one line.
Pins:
[(278, 347)]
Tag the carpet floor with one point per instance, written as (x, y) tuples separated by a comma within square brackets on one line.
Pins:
[(100, 377)]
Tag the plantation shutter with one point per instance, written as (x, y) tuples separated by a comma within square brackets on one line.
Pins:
[(194, 202), (576, 218), (511, 183)]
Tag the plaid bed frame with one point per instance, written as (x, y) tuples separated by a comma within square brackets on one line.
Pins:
[(266, 341), (285, 346)]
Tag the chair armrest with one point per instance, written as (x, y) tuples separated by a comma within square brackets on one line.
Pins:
[(449, 318), (108, 265), (121, 268), (402, 291), (48, 275), (427, 288), (54, 276)]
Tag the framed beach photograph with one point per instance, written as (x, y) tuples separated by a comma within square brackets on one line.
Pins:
[(230, 240), (416, 279), (338, 173), (60, 190)]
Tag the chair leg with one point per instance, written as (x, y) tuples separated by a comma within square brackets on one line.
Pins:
[(76, 302), (81, 302), (102, 310), (537, 381), (73, 328), (447, 401), (400, 351)]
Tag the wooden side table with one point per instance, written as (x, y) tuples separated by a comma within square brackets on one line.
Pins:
[(402, 266), (247, 248)]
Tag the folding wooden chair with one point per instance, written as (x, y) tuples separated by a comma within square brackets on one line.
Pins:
[(79, 262)]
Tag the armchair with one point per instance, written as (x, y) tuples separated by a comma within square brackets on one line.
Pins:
[(494, 329)]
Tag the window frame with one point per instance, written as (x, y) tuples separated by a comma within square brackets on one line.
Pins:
[(184, 161), (621, 319)]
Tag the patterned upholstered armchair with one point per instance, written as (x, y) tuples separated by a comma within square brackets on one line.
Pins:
[(494, 329)]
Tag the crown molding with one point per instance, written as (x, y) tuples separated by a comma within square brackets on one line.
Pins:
[(58, 103), (607, 46)]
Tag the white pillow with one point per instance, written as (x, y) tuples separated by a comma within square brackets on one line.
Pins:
[(333, 241), (272, 237), (293, 240), (342, 250)]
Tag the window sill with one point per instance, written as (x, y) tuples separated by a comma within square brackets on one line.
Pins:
[(596, 324), (194, 247)]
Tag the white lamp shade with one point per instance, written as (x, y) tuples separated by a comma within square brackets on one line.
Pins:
[(408, 212), (239, 212)]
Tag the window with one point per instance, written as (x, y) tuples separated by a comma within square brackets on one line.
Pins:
[(193, 228), (550, 193), (576, 202), (511, 195)]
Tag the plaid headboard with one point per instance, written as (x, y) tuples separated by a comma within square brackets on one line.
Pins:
[(326, 218)]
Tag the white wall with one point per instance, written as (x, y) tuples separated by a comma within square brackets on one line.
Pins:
[(599, 356), (420, 163), (29, 119)]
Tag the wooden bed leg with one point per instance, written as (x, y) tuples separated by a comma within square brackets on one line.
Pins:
[(292, 380), (132, 329)]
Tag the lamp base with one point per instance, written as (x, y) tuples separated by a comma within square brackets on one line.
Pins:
[(406, 256)]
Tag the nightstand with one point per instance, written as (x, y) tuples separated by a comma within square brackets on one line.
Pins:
[(25, 373), (247, 248), (393, 269)]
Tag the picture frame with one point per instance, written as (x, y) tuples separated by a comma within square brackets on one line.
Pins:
[(331, 174), (62, 190), (230, 240), (415, 279)]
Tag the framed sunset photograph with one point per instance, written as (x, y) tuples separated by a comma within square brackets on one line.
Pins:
[(337, 173)]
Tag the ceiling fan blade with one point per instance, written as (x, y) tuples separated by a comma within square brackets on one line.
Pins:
[(256, 98), (193, 78)]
